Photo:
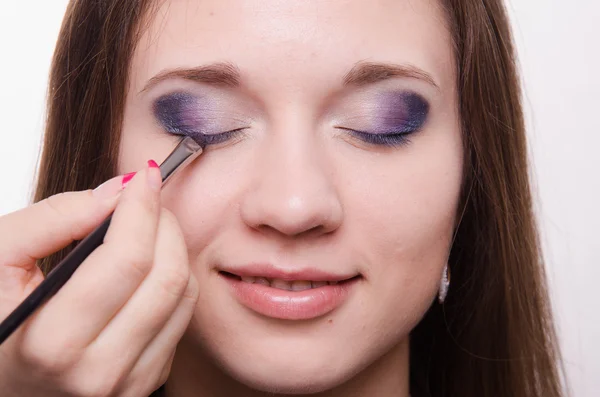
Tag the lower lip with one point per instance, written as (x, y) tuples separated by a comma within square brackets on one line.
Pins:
[(290, 305)]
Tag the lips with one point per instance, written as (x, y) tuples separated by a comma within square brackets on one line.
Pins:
[(297, 295)]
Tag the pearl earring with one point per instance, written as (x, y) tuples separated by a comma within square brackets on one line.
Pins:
[(444, 284)]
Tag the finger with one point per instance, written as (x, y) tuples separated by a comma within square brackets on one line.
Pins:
[(154, 365), (157, 298), (51, 224), (110, 275), (166, 370), (43, 228)]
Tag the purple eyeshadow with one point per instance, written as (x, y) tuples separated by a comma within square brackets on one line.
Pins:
[(179, 113), (400, 113), (394, 116)]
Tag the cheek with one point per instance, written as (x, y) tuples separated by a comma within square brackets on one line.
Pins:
[(402, 229), (205, 197), (411, 218)]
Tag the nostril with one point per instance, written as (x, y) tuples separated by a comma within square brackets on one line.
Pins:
[(292, 230), (292, 205)]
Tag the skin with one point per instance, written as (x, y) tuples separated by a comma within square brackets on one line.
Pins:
[(386, 213), (295, 189), (66, 349)]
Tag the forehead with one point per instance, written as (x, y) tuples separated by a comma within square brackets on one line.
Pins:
[(287, 43)]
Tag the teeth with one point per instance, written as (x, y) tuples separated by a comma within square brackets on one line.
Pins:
[(301, 285), (298, 285), (281, 284), (262, 280)]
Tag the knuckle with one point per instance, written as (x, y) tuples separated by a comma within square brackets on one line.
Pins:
[(94, 386), (93, 380), (48, 359), (135, 266), (175, 282), (56, 203), (192, 291), (134, 258), (58, 208)]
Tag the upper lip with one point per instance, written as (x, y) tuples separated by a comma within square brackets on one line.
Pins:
[(272, 272)]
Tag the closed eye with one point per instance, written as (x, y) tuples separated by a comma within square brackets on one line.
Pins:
[(393, 139), (216, 139)]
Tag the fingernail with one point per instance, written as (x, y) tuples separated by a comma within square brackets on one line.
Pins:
[(154, 177), (110, 188), (126, 179)]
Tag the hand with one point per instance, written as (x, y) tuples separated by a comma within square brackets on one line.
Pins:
[(113, 328)]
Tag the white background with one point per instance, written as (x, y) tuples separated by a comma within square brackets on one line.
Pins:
[(559, 46)]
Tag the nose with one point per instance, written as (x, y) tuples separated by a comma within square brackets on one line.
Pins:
[(294, 189)]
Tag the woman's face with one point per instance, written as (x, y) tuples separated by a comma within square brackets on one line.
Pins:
[(342, 161)]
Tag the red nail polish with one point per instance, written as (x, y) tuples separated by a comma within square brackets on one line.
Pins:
[(152, 164), (126, 179)]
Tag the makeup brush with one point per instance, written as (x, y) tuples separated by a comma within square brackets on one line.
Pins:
[(185, 152)]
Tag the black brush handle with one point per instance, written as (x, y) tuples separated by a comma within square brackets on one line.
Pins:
[(185, 152), (54, 281)]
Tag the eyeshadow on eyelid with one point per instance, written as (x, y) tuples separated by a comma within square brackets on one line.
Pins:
[(399, 112), (179, 113), (182, 113)]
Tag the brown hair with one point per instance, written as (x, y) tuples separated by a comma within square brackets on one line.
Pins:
[(494, 336)]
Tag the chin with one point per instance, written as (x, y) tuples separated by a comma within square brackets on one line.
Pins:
[(287, 377)]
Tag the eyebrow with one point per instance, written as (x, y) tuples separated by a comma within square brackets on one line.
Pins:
[(223, 74), (227, 74), (364, 73)]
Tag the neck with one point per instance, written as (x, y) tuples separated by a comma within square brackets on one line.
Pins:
[(193, 374)]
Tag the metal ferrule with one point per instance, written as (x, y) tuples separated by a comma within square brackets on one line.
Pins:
[(185, 152)]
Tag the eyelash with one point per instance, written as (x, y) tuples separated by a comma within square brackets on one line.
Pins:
[(215, 139), (392, 139)]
